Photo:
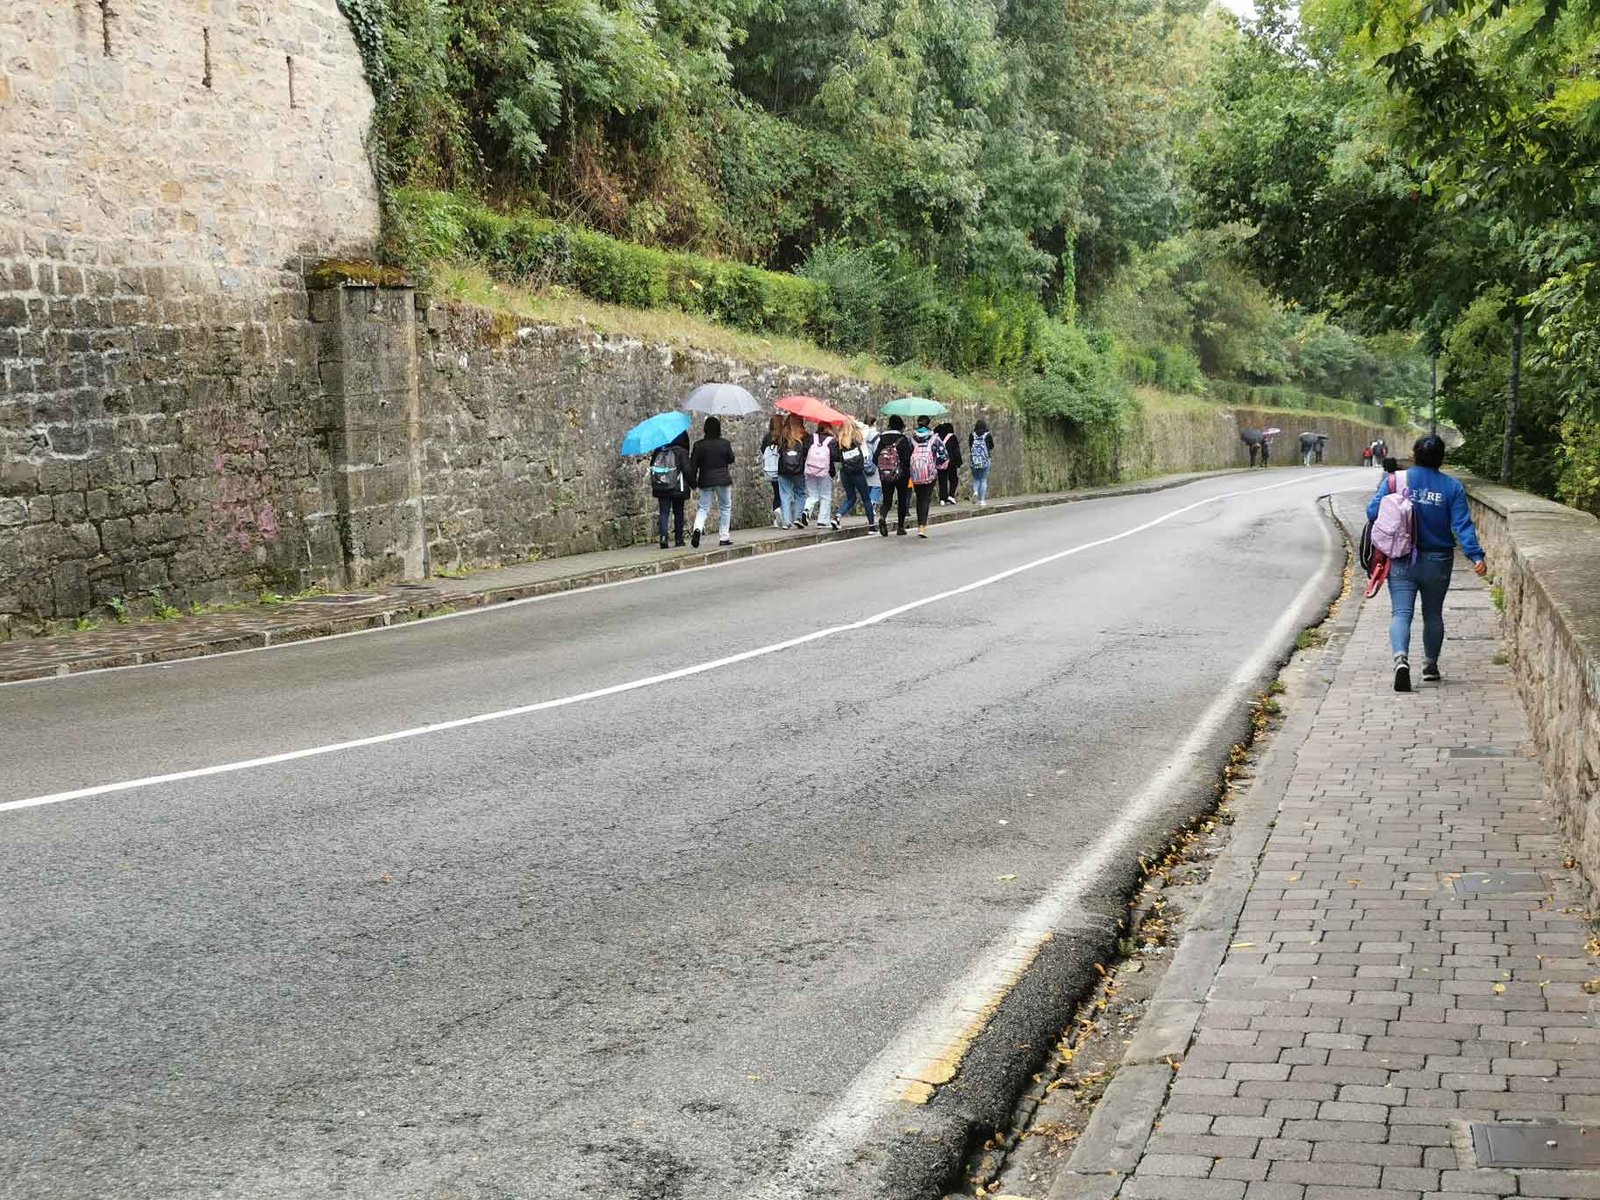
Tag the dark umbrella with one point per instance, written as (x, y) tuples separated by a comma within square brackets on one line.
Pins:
[(1252, 436)]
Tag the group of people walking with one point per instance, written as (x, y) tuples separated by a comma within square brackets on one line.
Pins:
[(883, 472)]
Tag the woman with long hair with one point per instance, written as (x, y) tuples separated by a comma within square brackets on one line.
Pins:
[(769, 464), (793, 441), (854, 462)]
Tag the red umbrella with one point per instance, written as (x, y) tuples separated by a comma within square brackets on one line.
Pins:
[(809, 408)]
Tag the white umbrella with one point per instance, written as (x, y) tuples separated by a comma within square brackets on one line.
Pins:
[(721, 400)]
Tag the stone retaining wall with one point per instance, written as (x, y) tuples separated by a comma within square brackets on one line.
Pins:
[(1545, 559), (521, 425), (162, 189)]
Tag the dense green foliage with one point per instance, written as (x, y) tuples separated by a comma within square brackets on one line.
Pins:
[(991, 188), (1435, 169)]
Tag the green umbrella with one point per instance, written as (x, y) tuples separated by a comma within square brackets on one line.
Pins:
[(915, 406)]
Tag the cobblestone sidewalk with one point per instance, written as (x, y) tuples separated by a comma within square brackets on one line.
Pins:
[(1409, 959)]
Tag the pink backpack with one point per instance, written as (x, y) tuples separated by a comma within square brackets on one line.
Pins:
[(924, 464), (819, 457), (1394, 532)]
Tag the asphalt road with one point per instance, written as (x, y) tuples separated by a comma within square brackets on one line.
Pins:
[(645, 944)]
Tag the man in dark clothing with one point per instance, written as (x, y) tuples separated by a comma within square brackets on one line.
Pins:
[(711, 470), (893, 460), (1252, 442)]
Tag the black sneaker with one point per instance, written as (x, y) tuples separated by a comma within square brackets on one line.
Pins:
[(834, 522), (901, 531), (694, 539), (663, 543), (1402, 673), (883, 526), (725, 542), (1430, 673), (801, 521)]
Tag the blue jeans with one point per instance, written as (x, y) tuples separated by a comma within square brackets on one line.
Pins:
[(874, 491), (1428, 577), (792, 497), (724, 498), (855, 488), (980, 483)]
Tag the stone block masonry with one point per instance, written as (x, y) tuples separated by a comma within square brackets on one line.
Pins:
[(160, 194), (1546, 561)]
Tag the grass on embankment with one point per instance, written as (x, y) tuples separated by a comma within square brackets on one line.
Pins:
[(471, 284)]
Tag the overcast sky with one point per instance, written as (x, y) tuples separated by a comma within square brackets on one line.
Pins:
[(1243, 7)]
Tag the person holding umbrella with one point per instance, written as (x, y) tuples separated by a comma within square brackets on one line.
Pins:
[(669, 484), (664, 438), (711, 471), (1252, 441), (928, 458)]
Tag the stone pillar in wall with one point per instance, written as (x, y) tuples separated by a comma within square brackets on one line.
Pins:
[(371, 418)]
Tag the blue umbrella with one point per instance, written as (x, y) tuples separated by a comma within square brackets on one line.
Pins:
[(654, 433)]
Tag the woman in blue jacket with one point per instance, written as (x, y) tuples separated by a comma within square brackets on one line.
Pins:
[(1443, 519)]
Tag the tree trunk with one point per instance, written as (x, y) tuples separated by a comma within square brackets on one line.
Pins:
[(1513, 389)]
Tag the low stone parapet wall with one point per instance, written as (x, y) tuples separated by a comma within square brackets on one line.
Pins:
[(1545, 559)]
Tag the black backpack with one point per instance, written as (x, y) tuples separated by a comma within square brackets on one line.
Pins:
[(854, 460), (792, 459)]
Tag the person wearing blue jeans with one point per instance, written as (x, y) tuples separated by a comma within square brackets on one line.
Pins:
[(1442, 519)]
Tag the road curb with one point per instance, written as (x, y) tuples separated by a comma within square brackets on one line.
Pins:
[(385, 609), (1123, 1121)]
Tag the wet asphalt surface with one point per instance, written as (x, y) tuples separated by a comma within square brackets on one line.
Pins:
[(630, 948)]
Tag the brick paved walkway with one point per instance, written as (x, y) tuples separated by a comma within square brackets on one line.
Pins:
[(1366, 1013)]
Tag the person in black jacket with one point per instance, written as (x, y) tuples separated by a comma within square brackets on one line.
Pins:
[(711, 470), (893, 460), (949, 474), (669, 484)]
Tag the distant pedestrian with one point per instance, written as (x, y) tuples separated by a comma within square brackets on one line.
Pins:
[(927, 459), (669, 484), (950, 473), (1308, 449), (821, 452), (874, 484), (1434, 506), (854, 461), (1322, 446), (1366, 456), (1266, 450), (793, 441), (769, 464), (980, 453), (711, 471), (893, 458), (1252, 442)]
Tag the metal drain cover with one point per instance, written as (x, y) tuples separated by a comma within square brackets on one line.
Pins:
[(1480, 752), (338, 598), (1500, 883), (1501, 1145)]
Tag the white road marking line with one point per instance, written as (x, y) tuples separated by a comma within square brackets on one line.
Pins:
[(126, 785), (502, 605), (835, 1140)]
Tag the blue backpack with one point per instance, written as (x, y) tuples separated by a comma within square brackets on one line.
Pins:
[(980, 452)]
